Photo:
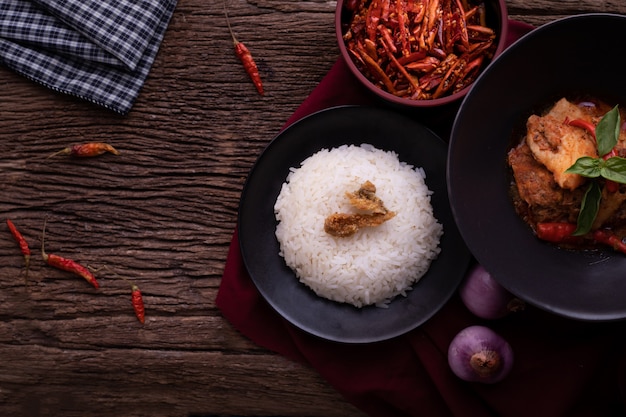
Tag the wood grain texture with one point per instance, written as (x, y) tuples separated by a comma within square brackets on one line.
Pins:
[(162, 214)]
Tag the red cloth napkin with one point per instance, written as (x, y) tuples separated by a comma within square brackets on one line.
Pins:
[(562, 367)]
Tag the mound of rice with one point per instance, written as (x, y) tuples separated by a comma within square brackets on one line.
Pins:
[(377, 263)]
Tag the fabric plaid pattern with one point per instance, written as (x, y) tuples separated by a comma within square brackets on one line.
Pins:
[(98, 50)]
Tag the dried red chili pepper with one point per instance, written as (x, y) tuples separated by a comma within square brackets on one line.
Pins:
[(136, 296), (66, 264), (583, 124), (137, 301), (83, 150), (245, 57), (609, 238), (557, 232), (22, 242)]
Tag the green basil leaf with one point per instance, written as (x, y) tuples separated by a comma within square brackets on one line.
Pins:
[(588, 209), (607, 131), (587, 167), (614, 169)]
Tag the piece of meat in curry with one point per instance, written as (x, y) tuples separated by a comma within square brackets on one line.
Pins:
[(541, 189)]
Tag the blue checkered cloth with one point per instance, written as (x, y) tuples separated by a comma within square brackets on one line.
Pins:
[(97, 50)]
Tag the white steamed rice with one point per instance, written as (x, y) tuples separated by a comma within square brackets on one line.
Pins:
[(377, 263)]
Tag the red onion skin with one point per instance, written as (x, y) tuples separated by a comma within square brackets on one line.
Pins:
[(480, 341), (587, 104), (485, 297)]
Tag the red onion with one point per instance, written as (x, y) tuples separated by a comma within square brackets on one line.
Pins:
[(587, 104), (485, 297), (478, 354)]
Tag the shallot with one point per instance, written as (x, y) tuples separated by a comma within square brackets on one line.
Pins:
[(485, 297), (587, 105), (478, 354)]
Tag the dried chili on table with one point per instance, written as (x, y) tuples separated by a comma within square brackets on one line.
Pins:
[(66, 264), (22, 243), (245, 56), (136, 297), (137, 301), (84, 150)]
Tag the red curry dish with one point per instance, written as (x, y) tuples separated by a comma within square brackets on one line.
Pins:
[(547, 197)]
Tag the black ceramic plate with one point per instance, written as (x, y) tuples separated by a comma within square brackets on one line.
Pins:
[(298, 304), (581, 285)]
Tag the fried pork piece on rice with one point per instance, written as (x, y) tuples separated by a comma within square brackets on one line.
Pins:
[(347, 224)]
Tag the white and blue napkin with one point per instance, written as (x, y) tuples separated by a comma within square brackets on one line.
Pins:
[(98, 50)]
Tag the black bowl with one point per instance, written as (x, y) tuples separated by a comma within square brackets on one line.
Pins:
[(571, 57)]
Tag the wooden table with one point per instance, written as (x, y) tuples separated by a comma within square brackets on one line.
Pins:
[(161, 214)]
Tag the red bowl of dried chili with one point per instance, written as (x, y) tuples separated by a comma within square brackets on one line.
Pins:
[(420, 53)]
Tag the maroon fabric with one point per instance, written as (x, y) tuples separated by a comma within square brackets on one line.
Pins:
[(562, 367)]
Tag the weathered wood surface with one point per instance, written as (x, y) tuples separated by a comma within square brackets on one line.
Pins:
[(161, 213)]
